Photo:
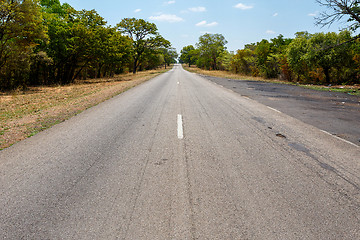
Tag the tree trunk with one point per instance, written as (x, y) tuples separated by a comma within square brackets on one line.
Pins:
[(98, 75), (214, 64), (135, 67), (327, 75)]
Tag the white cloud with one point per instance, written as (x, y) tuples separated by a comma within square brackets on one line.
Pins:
[(137, 10), (243, 6), (166, 18), (198, 9), (275, 14), (313, 14), (213, 24), (205, 24), (202, 23), (270, 32), (170, 2)]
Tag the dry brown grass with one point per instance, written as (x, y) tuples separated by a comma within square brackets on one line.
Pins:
[(220, 74), (25, 113)]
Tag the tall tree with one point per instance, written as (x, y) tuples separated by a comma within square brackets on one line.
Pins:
[(188, 55), (211, 46), (170, 55), (21, 29), (73, 39), (243, 61), (111, 51), (295, 54), (145, 38), (319, 54)]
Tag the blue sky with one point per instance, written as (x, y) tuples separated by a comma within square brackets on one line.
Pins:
[(182, 22)]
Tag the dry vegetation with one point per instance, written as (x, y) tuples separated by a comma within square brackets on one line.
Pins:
[(220, 74), (25, 113)]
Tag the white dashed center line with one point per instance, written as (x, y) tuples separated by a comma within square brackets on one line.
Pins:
[(180, 131)]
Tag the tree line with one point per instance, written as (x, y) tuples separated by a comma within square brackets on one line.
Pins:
[(320, 58), (44, 42)]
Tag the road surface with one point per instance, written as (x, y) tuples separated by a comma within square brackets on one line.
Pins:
[(334, 112), (180, 157)]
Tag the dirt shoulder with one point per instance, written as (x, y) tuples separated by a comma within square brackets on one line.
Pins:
[(25, 113)]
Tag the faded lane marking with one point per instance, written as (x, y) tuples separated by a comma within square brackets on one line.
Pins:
[(274, 109), (339, 138)]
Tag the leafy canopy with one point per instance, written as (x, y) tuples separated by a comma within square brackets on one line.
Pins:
[(145, 38)]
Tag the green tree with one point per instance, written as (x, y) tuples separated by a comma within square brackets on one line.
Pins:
[(242, 62), (151, 59), (170, 55), (21, 29), (321, 53), (111, 52), (277, 60), (74, 37), (211, 47), (225, 60), (295, 54), (189, 55), (145, 37), (313, 57), (262, 52), (269, 55)]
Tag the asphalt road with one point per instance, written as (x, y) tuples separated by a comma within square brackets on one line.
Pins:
[(180, 157), (334, 112)]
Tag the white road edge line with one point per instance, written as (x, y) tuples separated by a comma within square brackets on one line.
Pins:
[(274, 109), (180, 131), (339, 138)]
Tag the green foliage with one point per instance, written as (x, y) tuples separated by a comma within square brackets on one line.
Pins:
[(46, 42), (295, 53), (263, 58), (169, 55), (189, 55), (243, 62), (211, 47), (322, 58), (316, 58), (72, 34), (145, 38), (21, 29), (225, 60), (321, 53)]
